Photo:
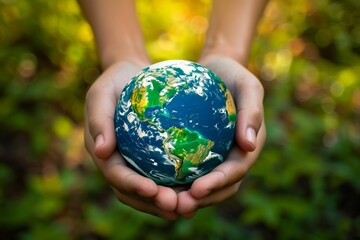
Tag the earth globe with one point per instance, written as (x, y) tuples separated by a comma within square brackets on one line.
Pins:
[(174, 122)]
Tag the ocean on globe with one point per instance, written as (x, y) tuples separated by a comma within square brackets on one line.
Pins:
[(174, 122)]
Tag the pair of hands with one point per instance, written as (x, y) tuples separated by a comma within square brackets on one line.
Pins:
[(144, 194)]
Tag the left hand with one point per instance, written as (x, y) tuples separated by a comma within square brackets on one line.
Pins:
[(224, 181), (130, 188)]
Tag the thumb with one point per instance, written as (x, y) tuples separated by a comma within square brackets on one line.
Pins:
[(99, 112), (249, 114), (249, 123)]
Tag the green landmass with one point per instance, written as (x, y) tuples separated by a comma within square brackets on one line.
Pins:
[(188, 149), (304, 185), (155, 94)]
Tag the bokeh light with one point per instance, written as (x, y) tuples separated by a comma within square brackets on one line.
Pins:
[(307, 56)]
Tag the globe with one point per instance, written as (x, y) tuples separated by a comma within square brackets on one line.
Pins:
[(174, 122)]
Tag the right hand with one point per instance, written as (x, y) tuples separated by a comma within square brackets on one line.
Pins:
[(224, 181), (131, 188)]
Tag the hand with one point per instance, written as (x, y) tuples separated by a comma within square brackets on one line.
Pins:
[(224, 181), (130, 188)]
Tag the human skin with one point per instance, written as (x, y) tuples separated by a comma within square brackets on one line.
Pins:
[(122, 54)]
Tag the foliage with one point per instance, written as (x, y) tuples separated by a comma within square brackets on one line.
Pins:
[(305, 184)]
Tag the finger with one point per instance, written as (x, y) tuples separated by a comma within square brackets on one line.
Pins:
[(219, 196), (189, 215), (99, 111), (249, 101), (188, 205), (125, 179), (229, 172), (248, 94), (166, 199), (146, 207), (119, 175), (133, 189)]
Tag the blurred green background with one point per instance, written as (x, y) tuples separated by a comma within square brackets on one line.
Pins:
[(305, 184)]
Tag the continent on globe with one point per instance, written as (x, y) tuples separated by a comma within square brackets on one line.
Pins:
[(186, 148), (175, 122)]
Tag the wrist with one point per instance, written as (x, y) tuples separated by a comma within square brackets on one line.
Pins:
[(208, 55), (222, 49), (232, 28), (117, 31), (111, 55)]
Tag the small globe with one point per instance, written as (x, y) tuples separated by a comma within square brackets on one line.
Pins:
[(175, 122)]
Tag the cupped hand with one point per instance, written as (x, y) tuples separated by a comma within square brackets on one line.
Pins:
[(224, 181), (130, 188)]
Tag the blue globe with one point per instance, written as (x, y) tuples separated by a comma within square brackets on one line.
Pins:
[(174, 122)]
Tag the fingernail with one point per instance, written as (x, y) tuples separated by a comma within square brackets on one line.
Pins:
[(99, 141), (251, 135)]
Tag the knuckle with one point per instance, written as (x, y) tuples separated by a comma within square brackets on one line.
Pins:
[(108, 175), (93, 123), (90, 93), (233, 190), (113, 177), (257, 118), (257, 113), (87, 143), (256, 84)]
